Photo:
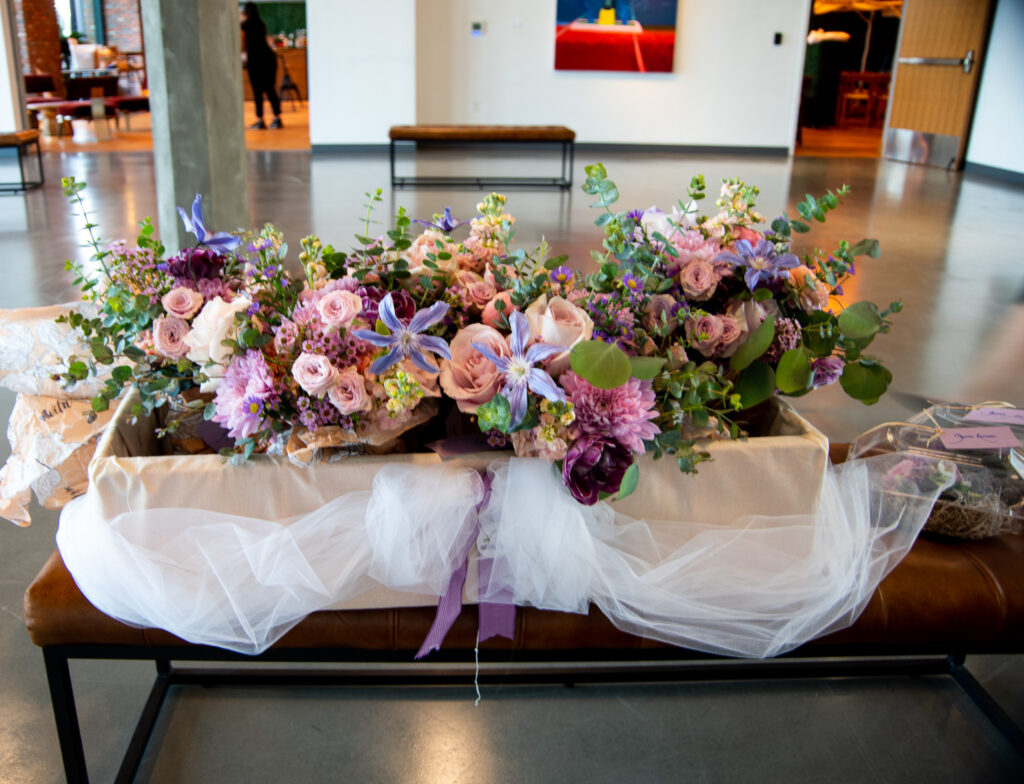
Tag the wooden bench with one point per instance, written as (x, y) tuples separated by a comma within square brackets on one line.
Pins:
[(460, 135), (21, 141), (945, 600)]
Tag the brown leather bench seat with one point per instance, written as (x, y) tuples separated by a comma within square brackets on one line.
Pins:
[(944, 597), (484, 134)]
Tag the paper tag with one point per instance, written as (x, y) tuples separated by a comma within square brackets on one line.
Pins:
[(958, 438), (1000, 416)]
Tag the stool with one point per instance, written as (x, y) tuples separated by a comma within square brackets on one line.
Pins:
[(21, 140)]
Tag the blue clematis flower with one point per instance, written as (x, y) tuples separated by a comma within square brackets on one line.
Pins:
[(220, 242), (445, 223), (762, 264), (519, 371), (406, 341)]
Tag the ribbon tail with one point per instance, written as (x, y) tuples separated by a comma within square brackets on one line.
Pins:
[(448, 608), (497, 620)]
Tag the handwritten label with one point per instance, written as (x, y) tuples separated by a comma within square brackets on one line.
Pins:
[(958, 438), (54, 410), (1000, 416)]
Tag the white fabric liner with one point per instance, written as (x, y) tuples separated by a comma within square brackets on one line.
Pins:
[(753, 586)]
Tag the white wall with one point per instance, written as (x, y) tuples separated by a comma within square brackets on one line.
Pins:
[(406, 60), (999, 115), (11, 116), (362, 69)]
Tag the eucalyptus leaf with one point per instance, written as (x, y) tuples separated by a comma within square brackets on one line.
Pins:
[(865, 382), (604, 365), (866, 247), (860, 320), (646, 368), (755, 384), (755, 345), (630, 479), (794, 373)]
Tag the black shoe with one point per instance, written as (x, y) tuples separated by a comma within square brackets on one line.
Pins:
[(259, 124), (276, 123)]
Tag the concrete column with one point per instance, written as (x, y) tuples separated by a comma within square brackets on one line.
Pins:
[(12, 109), (193, 61)]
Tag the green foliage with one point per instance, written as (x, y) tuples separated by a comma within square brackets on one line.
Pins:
[(495, 414), (629, 482), (794, 373), (865, 380), (604, 365), (756, 384), (758, 342)]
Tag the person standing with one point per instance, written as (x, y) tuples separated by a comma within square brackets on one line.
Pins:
[(262, 65)]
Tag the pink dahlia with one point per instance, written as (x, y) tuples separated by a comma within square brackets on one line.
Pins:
[(623, 413), (242, 395)]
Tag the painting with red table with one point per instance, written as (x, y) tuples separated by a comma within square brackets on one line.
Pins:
[(615, 35)]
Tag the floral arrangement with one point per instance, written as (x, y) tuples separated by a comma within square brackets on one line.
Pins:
[(687, 321)]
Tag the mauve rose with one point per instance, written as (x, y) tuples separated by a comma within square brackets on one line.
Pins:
[(314, 373), (478, 291), (699, 280), (732, 336), (827, 370), (594, 465), (560, 323), (348, 394), (661, 303), (425, 244), (182, 302), (802, 279), (492, 316), (469, 378), (704, 333), (338, 308), (169, 336)]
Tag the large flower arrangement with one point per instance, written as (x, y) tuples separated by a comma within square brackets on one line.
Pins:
[(688, 321)]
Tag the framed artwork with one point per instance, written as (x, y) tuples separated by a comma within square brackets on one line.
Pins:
[(615, 35)]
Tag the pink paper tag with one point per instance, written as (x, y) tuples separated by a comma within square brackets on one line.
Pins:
[(999, 416), (958, 438)]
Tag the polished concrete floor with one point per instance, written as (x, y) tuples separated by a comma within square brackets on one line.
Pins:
[(952, 252)]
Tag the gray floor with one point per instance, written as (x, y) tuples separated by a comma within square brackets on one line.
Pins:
[(951, 250)]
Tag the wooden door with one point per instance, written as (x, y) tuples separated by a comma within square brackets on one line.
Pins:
[(935, 81)]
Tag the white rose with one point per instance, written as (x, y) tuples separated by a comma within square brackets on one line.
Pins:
[(314, 373), (214, 324), (560, 323)]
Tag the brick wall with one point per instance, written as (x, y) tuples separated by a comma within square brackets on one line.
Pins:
[(39, 38), (123, 25)]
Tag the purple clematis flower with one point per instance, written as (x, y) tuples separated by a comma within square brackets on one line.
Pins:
[(406, 340), (761, 262), (445, 223), (519, 371), (220, 242)]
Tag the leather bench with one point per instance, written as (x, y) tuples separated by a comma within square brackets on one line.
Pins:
[(945, 600), (21, 141), (484, 134)]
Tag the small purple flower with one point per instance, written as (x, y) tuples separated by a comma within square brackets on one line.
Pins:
[(445, 223), (594, 465), (561, 275), (633, 284), (254, 308), (762, 263), (221, 241), (636, 215), (519, 371), (827, 370), (406, 341)]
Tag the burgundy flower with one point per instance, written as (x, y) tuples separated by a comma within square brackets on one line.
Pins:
[(593, 465), (192, 264), (405, 306)]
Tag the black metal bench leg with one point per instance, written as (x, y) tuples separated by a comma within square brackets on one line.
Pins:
[(391, 149), (68, 733), (147, 721), (992, 709)]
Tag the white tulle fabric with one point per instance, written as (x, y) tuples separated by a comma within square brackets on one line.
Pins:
[(757, 586)]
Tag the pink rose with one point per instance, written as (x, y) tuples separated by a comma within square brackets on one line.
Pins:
[(811, 292), (699, 280), (348, 394), (661, 304), (732, 336), (751, 236), (492, 316), (182, 302), (338, 308), (314, 373), (469, 378), (560, 323), (478, 292), (169, 336), (704, 333)]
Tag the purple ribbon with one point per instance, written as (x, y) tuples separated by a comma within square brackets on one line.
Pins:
[(494, 618)]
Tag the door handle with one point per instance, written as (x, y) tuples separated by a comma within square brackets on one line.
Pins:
[(965, 62)]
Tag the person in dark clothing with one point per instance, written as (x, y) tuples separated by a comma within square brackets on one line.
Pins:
[(262, 65)]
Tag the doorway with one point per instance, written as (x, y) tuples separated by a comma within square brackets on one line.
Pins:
[(851, 47)]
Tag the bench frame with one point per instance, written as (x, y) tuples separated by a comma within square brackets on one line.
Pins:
[(564, 181), (25, 185), (499, 666)]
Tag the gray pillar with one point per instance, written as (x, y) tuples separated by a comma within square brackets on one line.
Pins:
[(193, 63)]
